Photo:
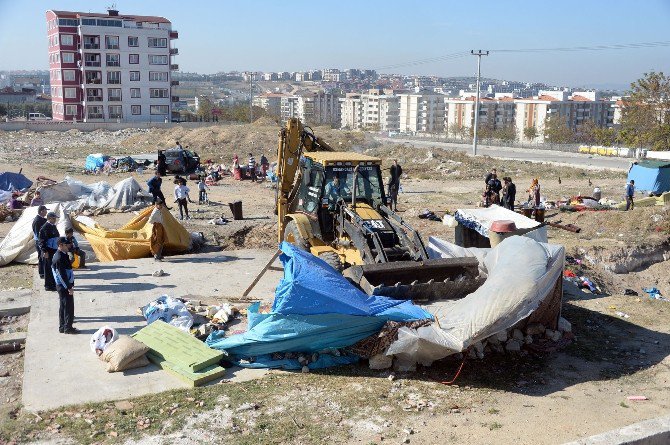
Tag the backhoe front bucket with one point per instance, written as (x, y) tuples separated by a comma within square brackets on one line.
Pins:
[(437, 279)]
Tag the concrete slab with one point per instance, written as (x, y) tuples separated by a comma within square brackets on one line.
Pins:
[(648, 432), (60, 369), (15, 302)]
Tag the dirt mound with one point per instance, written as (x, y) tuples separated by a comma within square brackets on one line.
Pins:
[(251, 237)]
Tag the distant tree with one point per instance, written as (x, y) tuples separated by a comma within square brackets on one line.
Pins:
[(606, 136), (205, 109), (460, 132), (645, 117), (505, 134), (530, 133), (556, 131)]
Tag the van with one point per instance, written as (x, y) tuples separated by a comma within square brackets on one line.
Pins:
[(38, 117)]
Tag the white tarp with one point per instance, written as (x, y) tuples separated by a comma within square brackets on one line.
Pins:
[(481, 219), (521, 274), (75, 195), (5, 196)]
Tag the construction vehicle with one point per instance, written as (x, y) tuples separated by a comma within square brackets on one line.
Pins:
[(350, 226)]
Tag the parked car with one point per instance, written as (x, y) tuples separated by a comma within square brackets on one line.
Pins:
[(38, 117), (180, 161)]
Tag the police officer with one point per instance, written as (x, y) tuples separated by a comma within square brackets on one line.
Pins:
[(48, 241), (61, 267), (38, 222)]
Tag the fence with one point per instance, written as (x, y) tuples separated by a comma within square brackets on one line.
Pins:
[(92, 126)]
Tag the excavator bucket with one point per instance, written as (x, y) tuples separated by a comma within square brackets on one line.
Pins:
[(436, 279)]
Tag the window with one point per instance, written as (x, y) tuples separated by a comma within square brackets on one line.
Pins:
[(70, 93), (114, 111), (135, 93), (157, 60), (57, 74), (68, 22), (112, 42), (133, 42), (134, 76), (114, 94), (159, 109), (88, 22), (94, 77), (113, 77), (94, 111), (115, 23), (68, 75), (68, 58), (157, 76), (70, 110), (91, 42), (54, 57), (66, 39), (135, 109), (113, 60), (156, 93), (155, 42), (94, 94), (133, 59), (91, 59)]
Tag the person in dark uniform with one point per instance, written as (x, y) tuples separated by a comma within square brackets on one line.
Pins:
[(161, 165), (509, 193), (155, 187), (38, 222), (61, 269), (48, 240), (394, 184)]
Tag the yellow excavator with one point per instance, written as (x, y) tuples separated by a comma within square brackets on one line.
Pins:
[(333, 204)]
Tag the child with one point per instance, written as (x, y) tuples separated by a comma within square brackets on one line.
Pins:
[(202, 187), (181, 195), (69, 234)]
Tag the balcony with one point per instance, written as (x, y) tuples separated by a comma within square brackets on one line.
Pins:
[(174, 51), (92, 63), (91, 46), (93, 98), (174, 34), (114, 99), (175, 98), (174, 83), (174, 67)]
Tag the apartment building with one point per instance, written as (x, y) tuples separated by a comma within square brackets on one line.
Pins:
[(422, 112), (574, 109), (109, 67), (270, 102), (351, 112), (493, 113), (312, 108), (380, 110)]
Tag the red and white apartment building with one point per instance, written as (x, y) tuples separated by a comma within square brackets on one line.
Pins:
[(111, 67)]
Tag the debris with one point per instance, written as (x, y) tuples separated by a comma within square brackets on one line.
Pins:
[(513, 346), (124, 405), (622, 314), (381, 361), (158, 273), (305, 369), (637, 398), (247, 407), (4, 373), (630, 292), (564, 325), (535, 329)]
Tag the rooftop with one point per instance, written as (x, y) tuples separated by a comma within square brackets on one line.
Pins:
[(134, 18)]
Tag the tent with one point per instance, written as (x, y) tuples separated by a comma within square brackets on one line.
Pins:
[(14, 181), (75, 195), (19, 244), (134, 239), (650, 176), (315, 309)]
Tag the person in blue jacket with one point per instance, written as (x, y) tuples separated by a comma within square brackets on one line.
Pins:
[(38, 222), (74, 247), (48, 241), (61, 269), (155, 188)]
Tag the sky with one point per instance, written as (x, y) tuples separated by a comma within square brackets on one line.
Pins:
[(295, 35)]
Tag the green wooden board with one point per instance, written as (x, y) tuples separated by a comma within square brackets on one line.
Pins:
[(193, 379), (178, 347)]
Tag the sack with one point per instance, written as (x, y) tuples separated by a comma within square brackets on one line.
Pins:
[(122, 352), (139, 362)]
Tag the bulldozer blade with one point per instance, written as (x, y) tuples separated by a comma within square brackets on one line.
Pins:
[(436, 279)]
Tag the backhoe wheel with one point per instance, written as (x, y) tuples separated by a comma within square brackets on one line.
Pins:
[(292, 235), (333, 260)]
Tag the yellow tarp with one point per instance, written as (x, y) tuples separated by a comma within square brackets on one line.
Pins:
[(133, 240)]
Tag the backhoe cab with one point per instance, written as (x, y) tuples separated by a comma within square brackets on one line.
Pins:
[(333, 205)]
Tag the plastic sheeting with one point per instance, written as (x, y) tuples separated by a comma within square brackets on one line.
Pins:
[(170, 310), (95, 161), (19, 244), (650, 176), (521, 274), (481, 219), (315, 309), (14, 181), (75, 195), (134, 239)]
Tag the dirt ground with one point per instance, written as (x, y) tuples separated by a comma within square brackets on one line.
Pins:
[(579, 390)]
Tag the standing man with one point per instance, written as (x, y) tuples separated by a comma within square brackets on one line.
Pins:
[(494, 187), (155, 187), (157, 231), (38, 222), (490, 175), (509, 193), (264, 164), (251, 167), (61, 269), (48, 240), (161, 165), (394, 184), (630, 192)]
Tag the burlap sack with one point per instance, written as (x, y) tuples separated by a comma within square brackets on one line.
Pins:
[(122, 352)]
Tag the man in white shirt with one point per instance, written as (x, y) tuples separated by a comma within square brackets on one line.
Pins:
[(181, 195)]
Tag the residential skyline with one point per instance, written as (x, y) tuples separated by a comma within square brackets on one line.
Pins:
[(345, 37)]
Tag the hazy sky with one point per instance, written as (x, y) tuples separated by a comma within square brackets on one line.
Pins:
[(290, 35)]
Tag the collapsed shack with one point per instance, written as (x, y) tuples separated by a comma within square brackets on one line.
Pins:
[(318, 317), (76, 196)]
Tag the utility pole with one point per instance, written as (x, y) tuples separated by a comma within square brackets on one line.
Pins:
[(479, 55), (251, 97)]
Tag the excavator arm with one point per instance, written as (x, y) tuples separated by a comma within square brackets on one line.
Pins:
[(294, 139)]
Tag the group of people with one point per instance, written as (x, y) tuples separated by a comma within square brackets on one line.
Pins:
[(181, 193), (495, 192), (252, 167)]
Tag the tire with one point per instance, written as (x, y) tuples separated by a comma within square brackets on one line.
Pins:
[(333, 260), (292, 235)]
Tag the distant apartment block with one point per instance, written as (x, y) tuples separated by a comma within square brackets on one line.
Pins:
[(493, 113), (351, 112), (109, 67), (270, 102), (375, 110), (312, 108), (421, 112)]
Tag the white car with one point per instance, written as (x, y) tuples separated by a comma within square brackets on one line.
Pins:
[(38, 117)]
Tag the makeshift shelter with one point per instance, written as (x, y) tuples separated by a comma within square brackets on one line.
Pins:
[(134, 239), (14, 181), (19, 244), (473, 225), (650, 176), (75, 195), (523, 285), (315, 309), (95, 161)]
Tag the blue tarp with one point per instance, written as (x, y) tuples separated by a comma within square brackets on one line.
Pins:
[(650, 177), (95, 161), (14, 181), (315, 309)]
